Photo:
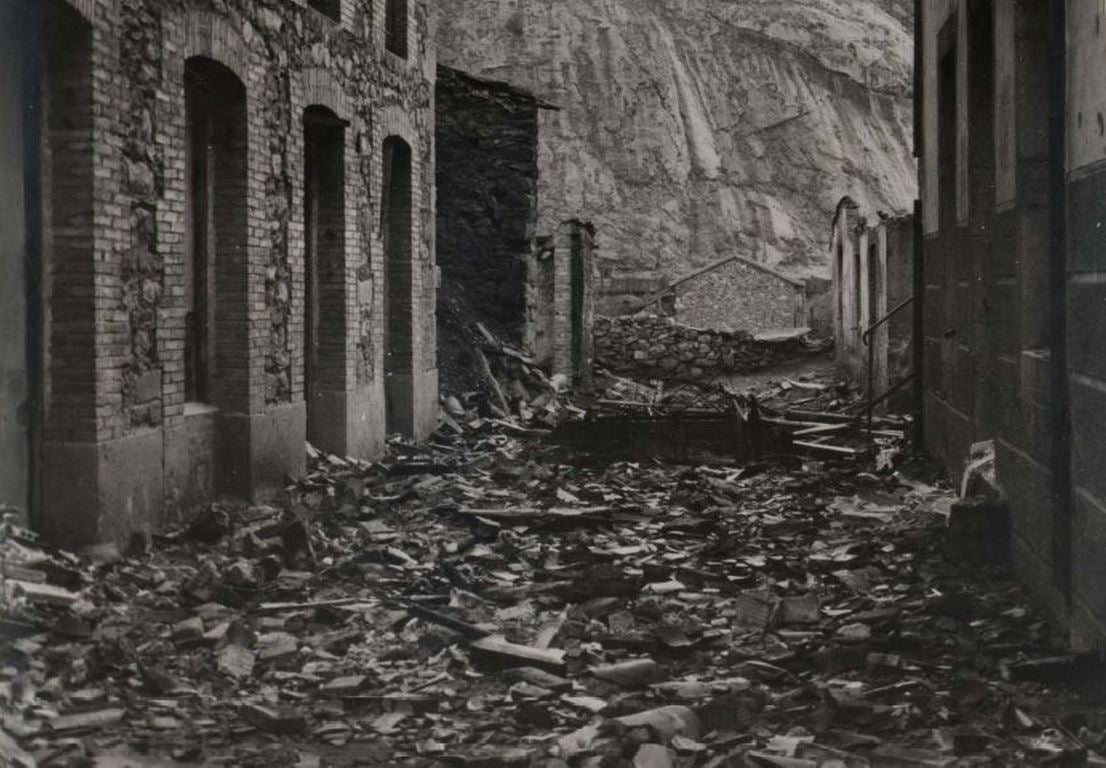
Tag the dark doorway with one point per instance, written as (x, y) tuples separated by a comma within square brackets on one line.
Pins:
[(216, 233), (576, 275), (875, 280), (332, 9), (396, 211), (48, 155), (395, 27), (981, 106), (946, 128), (324, 219)]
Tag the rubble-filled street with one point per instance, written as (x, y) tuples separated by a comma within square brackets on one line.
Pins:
[(498, 598)]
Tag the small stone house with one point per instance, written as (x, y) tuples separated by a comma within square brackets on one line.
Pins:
[(739, 294)]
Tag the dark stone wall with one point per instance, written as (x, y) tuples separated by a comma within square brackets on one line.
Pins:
[(980, 384), (1086, 305), (487, 176)]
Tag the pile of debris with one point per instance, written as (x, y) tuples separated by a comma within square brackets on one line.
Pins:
[(492, 599)]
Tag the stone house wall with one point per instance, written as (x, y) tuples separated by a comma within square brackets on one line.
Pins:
[(873, 273), (656, 347), (742, 295), (114, 412)]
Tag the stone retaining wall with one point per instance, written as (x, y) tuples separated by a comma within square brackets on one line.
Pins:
[(657, 348)]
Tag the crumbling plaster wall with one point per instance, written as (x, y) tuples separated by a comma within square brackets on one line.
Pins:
[(146, 457)]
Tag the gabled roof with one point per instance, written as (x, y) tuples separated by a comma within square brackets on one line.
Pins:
[(515, 92)]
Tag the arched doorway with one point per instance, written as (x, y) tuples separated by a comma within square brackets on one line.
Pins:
[(396, 212), (215, 286), (324, 202), (46, 155)]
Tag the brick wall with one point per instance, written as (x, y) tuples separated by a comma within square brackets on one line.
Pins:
[(119, 244)]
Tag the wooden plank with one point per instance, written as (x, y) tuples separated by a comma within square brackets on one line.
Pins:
[(838, 450), (44, 593), (821, 429), (497, 648)]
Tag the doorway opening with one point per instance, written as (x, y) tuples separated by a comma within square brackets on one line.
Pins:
[(396, 210), (215, 290), (324, 203)]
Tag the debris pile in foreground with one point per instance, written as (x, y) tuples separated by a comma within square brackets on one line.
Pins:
[(495, 600)]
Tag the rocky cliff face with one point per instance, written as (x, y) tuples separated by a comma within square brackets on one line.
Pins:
[(694, 129)]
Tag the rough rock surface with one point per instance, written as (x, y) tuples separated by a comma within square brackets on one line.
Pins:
[(692, 129)]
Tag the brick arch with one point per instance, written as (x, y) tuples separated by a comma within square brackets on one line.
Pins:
[(393, 121), (321, 88), (210, 35)]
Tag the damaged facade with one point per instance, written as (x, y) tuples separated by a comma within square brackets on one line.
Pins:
[(1013, 172), (529, 281), (872, 297), (224, 246)]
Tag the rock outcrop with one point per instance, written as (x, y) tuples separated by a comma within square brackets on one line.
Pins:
[(694, 129)]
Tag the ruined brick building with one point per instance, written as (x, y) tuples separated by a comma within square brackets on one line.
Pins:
[(872, 296), (1012, 147), (528, 278), (223, 245)]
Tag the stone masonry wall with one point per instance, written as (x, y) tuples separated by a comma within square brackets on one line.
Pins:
[(739, 296), (652, 347), (487, 177)]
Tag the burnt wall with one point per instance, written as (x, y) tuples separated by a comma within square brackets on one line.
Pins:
[(487, 181)]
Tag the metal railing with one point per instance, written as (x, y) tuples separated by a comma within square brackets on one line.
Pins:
[(866, 338)]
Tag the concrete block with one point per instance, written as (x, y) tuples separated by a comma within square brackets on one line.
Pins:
[(1088, 445), (190, 462), (978, 531), (1087, 326), (102, 492), (258, 453), (1087, 223), (1088, 567), (1028, 486)]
